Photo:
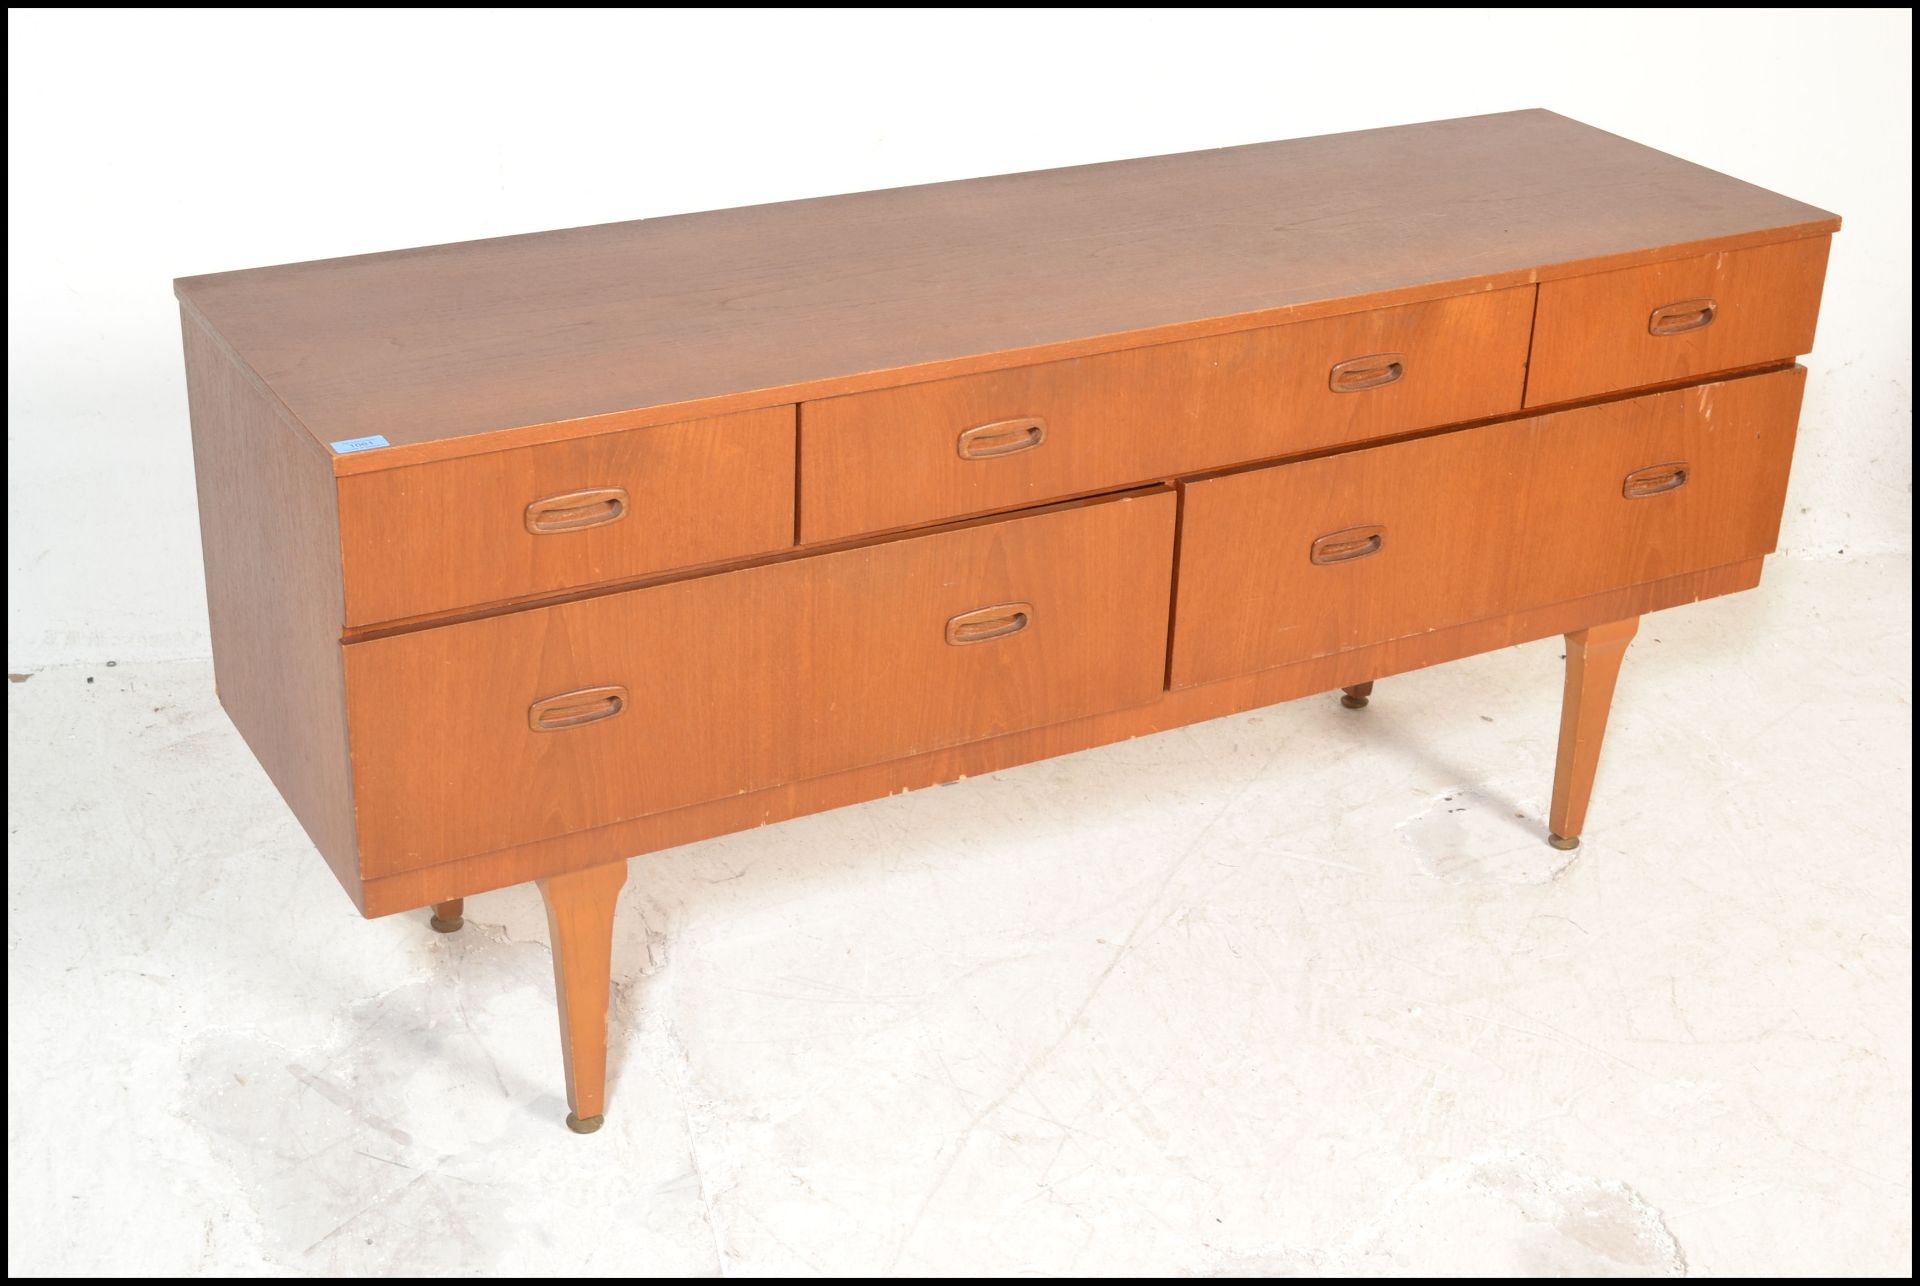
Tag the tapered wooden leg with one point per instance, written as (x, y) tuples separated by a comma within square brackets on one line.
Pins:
[(1355, 697), (1593, 667), (449, 916), (580, 922)]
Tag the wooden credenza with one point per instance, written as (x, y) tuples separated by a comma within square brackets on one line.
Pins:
[(529, 555)]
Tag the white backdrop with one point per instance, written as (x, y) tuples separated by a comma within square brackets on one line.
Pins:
[(145, 146)]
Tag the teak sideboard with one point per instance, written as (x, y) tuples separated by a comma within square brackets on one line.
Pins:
[(525, 556)]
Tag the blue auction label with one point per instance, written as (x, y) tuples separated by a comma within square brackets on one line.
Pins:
[(345, 445)]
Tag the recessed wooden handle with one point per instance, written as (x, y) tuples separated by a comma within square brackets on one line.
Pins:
[(1357, 374), (1345, 546), (574, 709), (1656, 478), (594, 507), (986, 623), (1002, 437), (1676, 319)]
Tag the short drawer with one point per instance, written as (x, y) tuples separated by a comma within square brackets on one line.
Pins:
[(490, 528), (1675, 321), (485, 734), (1303, 560), (897, 457)]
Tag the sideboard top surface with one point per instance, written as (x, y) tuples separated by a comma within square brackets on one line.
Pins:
[(534, 338)]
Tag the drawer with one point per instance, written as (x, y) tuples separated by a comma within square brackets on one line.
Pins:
[(485, 734), (896, 457), (1302, 560), (489, 528), (1675, 320)]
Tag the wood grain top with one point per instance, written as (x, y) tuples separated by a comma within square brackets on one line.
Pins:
[(553, 335)]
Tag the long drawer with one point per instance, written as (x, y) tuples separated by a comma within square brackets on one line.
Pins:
[(477, 736), (1302, 560), (980, 443), (483, 529)]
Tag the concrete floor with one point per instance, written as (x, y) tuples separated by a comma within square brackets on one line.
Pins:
[(1298, 992)]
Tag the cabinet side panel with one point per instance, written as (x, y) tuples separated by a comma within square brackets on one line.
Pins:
[(269, 531)]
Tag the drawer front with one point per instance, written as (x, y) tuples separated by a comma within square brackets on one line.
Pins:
[(484, 734), (980, 443), (1676, 320), (1303, 560), (491, 528)]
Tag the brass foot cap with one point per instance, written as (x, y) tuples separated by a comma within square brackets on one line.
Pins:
[(1564, 844), (446, 926), (1352, 702), (587, 1126)]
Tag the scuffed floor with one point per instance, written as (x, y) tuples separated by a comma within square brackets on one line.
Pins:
[(1297, 992)]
